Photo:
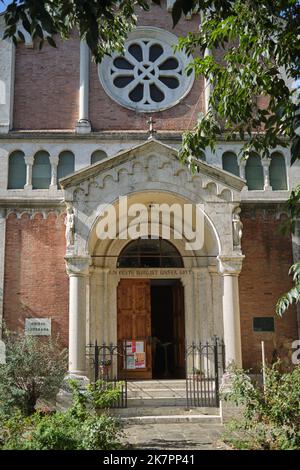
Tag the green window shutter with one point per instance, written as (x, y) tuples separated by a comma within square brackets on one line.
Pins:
[(230, 163), (278, 179), (16, 170), (97, 156), (254, 173), (41, 171), (66, 164)]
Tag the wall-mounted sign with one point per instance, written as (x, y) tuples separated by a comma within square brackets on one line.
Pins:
[(135, 355), (38, 326)]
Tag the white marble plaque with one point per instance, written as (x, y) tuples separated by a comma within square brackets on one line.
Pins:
[(38, 326)]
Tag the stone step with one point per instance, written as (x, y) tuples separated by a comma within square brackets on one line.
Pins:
[(169, 419), (146, 384), (156, 402), (156, 393), (163, 411)]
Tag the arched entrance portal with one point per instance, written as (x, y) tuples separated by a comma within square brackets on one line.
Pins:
[(150, 313)]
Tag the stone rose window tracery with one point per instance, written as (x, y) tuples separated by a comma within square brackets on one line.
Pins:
[(149, 76)]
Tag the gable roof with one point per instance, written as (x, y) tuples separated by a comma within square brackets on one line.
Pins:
[(151, 145)]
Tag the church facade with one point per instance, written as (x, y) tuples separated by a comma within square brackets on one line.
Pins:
[(76, 140)]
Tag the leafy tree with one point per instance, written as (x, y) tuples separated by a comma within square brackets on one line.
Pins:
[(34, 369), (103, 23)]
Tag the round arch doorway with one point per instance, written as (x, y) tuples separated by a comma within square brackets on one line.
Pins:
[(150, 313)]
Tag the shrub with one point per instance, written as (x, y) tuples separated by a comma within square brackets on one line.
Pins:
[(79, 428), (270, 418), (35, 368)]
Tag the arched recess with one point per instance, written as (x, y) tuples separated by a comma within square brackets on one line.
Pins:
[(278, 179), (16, 170), (230, 163), (66, 164), (41, 170), (98, 156), (149, 253), (254, 173), (107, 251)]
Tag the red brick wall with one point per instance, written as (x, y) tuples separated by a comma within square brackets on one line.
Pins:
[(46, 88), (106, 114), (264, 277), (36, 283)]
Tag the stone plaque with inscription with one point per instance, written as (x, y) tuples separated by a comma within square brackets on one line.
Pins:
[(38, 326)]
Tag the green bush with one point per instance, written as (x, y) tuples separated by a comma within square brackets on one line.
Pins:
[(270, 418), (78, 428), (35, 368)]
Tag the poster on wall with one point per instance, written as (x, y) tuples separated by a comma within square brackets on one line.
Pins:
[(135, 355)]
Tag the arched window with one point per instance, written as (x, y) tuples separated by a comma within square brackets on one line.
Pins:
[(278, 179), (97, 156), (150, 253), (41, 171), (16, 170), (254, 173), (66, 164), (230, 163)]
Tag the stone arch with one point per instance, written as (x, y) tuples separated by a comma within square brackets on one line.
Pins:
[(111, 248)]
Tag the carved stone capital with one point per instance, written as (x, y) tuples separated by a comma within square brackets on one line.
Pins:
[(77, 265), (54, 159), (230, 265), (29, 160)]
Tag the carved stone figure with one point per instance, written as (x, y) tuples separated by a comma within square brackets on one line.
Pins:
[(70, 226), (237, 229)]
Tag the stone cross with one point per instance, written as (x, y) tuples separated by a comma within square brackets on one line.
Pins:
[(151, 129)]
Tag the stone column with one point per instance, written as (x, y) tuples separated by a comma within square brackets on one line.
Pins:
[(78, 271), (83, 125), (230, 268), (54, 163), (296, 258), (7, 73), (29, 163), (207, 84), (242, 165), (2, 261), (266, 166)]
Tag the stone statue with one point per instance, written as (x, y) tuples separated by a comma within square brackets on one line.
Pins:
[(237, 229), (70, 226)]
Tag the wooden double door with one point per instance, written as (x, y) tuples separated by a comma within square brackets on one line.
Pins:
[(135, 327)]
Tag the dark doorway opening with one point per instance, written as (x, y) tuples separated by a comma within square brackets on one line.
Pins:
[(168, 335)]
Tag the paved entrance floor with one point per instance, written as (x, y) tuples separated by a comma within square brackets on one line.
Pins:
[(180, 436)]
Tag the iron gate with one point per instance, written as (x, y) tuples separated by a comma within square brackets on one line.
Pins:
[(205, 364), (204, 368), (104, 360)]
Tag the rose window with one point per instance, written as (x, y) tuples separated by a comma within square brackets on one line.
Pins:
[(149, 76)]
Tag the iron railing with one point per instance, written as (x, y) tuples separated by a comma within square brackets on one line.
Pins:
[(204, 368), (104, 360)]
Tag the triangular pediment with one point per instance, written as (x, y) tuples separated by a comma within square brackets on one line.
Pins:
[(150, 147)]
